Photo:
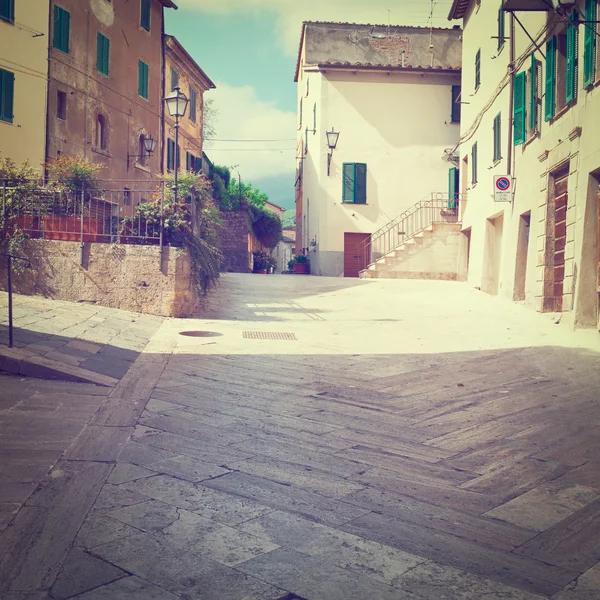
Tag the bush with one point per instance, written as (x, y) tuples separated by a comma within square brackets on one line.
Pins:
[(301, 258), (261, 260), (266, 226), (68, 173), (291, 264)]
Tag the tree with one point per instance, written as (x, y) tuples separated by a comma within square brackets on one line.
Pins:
[(209, 119), (289, 218)]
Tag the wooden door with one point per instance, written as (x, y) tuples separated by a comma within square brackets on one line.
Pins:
[(355, 259), (560, 239)]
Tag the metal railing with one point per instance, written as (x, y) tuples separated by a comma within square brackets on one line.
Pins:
[(109, 216), (440, 207), (27, 265)]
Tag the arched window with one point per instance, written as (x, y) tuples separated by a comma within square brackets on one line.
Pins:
[(101, 132), (143, 155)]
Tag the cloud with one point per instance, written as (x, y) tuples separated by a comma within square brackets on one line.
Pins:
[(291, 13), (241, 115)]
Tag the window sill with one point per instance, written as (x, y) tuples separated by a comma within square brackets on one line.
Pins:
[(473, 185), (356, 203), (497, 162), (476, 89), (501, 48), (102, 152), (6, 122), (534, 136), (142, 167)]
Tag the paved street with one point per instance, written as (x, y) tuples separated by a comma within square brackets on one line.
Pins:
[(319, 439)]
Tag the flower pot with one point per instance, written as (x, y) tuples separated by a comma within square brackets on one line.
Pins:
[(302, 268), (261, 271)]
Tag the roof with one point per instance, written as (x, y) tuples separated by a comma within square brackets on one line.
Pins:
[(276, 206), (168, 3), (178, 48), (458, 9), (386, 47), (289, 240)]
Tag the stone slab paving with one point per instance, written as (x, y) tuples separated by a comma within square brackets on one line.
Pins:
[(98, 339), (398, 449)]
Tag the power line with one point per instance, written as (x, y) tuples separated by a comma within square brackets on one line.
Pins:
[(248, 140)]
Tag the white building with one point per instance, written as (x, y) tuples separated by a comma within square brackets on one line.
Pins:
[(537, 122), (392, 94)]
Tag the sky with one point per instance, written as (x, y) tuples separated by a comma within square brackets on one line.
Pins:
[(249, 49)]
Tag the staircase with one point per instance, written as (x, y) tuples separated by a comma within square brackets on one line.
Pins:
[(422, 243)]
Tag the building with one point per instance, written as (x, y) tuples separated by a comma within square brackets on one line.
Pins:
[(182, 71), (532, 99), (23, 80), (106, 89), (280, 252), (392, 95)]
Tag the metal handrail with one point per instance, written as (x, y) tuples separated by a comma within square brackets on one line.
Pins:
[(439, 207), (9, 259)]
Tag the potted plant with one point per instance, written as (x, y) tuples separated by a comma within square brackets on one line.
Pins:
[(272, 264), (260, 261), (291, 264), (302, 265)]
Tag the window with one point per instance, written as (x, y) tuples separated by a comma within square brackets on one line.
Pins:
[(170, 155), (354, 188), (534, 94), (501, 28), (452, 187), (7, 95), (474, 164), (519, 108), (193, 104), (145, 14), (174, 79), (550, 100), (189, 161), (61, 105), (102, 54), (456, 103), (142, 79), (478, 68), (7, 10), (101, 132), (198, 165), (589, 43), (62, 29), (497, 137), (127, 197), (571, 60)]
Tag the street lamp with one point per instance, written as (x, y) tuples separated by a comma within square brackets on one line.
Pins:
[(177, 103), (149, 147), (332, 140)]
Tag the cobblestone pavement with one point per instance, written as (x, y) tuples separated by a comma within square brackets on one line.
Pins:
[(95, 338), (330, 439)]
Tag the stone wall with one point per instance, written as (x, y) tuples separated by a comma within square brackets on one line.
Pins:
[(128, 277), (234, 241)]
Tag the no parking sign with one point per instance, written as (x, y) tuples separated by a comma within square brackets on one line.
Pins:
[(503, 188)]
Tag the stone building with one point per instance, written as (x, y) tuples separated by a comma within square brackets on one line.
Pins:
[(531, 92), (105, 89), (23, 80), (182, 71)]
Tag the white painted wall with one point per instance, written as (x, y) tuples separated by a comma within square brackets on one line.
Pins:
[(398, 124)]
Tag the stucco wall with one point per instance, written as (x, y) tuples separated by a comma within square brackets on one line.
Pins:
[(119, 276), (24, 138)]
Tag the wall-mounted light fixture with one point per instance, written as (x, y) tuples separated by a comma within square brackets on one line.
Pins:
[(149, 147), (332, 140)]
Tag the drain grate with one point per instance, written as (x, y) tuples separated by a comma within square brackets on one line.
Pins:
[(200, 333), (269, 335)]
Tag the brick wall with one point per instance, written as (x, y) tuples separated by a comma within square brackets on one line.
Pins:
[(119, 276), (234, 241)]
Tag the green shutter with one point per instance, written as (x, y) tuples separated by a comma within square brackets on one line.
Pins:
[(501, 28), (198, 165), (348, 182), (589, 43), (497, 137), (456, 103), (193, 104), (571, 79), (142, 79), (452, 186), (360, 183), (145, 15), (550, 99), (478, 68), (474, 163), (102, 54), (519, 102), (7, 91), (533, 94), (62, 29), (7, 10)]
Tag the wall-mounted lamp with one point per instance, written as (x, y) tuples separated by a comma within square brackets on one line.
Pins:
[(149, 147), (332, 140)]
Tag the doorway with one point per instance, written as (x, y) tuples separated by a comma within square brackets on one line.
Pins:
[(354, 254), (557, 238), (492, 253), (522, 256)]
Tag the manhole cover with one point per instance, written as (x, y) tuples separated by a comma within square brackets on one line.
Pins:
[(200, 333), (269, 335)]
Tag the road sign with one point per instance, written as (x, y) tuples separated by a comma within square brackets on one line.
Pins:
[(503, 188)]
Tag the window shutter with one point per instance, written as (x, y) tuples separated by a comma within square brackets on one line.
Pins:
[(497, 137), (571, 79), (143, 79), (589, 43), (474, 163), (174, 79), (477, 68), (170, 144), (360, 183), (315, 118), (348, 182), (533, 94), (550, 101), (7, 10), (61, 32), (65, 31), (145, 15), (300, 125), (501, 28), (178, 165), (456, 103), (193, 104), (99, 51), (519, 102), (7, 90), (452, 186), (198, 165), (102, 54)]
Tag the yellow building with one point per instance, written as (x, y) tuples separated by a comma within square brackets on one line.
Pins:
[(23, 80)]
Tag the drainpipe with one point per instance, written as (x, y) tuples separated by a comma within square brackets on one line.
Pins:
[(163, 67), (511, 66), (47, 123)]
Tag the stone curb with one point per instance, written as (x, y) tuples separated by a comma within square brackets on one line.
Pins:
[(19, 362)]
